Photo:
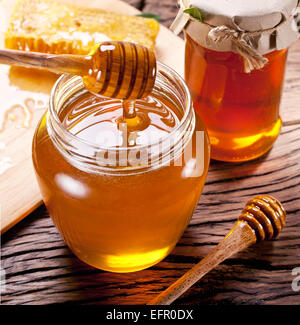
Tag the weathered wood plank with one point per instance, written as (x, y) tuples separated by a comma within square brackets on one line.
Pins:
[(40, 269), (290, 103)]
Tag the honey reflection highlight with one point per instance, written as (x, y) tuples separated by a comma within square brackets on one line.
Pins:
[(25, 95), (26, 91)]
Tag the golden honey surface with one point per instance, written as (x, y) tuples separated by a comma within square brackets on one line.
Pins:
[(90, 117)]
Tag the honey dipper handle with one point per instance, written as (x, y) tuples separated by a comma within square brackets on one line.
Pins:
[(240, 237), (62, 63)]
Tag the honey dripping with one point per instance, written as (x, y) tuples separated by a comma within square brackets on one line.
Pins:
[(131, 123), (118, 218), (112, 123)]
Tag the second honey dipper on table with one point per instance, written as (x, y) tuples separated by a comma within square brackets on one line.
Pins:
[(262, 218), (121, 70)]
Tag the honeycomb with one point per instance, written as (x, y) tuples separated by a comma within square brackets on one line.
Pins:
[(56, 27)]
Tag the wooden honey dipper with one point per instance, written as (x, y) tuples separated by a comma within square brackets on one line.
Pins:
[(262, 218), (120, 70)]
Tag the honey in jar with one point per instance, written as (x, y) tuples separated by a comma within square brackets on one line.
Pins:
[(121, 179), (235, 61), (240, 110)]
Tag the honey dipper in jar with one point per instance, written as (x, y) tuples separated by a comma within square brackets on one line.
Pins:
[(119, 70), (124, 179)]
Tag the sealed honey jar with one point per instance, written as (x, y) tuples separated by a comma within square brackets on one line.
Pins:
[(121, 179), (235, 59)]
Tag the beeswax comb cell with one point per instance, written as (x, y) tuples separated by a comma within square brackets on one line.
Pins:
[(55, 27)]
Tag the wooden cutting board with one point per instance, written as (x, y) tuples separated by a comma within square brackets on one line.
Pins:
[(23, 100)]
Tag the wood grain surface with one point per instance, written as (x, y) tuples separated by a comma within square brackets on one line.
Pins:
[(40, 269)]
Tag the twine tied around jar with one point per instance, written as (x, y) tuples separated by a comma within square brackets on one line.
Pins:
[(242, 41), (252, 59)]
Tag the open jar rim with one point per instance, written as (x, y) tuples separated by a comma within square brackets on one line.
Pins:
[(168, 82)]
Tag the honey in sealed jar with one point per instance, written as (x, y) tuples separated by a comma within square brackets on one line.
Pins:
[(121, 179), (235, 57), (240, 110)]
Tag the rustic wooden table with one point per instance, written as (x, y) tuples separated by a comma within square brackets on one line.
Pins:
[(40, 269)]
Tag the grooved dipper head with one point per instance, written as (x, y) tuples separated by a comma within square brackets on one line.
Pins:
[(121, 70), (265, 215)]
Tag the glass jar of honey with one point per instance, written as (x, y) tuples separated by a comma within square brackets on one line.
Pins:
[(121, 189), (235, 59)]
